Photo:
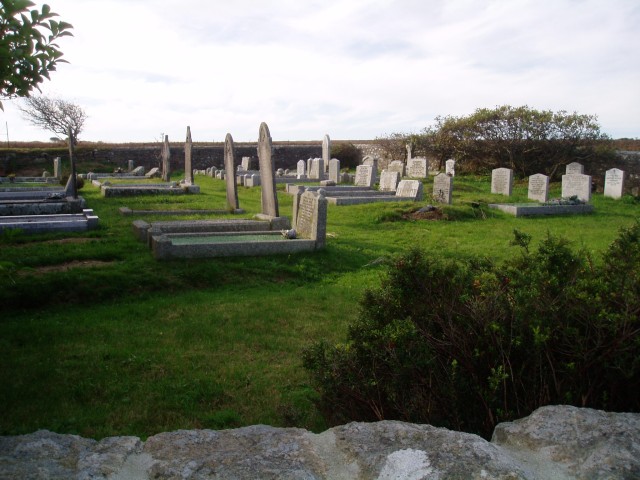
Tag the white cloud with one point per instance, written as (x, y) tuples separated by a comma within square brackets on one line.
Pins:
[(354, 69)]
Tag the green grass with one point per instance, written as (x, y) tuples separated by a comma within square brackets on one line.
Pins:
[(123, 344)]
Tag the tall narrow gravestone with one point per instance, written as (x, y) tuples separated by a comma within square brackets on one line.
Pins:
[(229, 169), (502, 181), (326, 152), (188, 171), (334, 170), (442, 188), (267, 173), (317, 169), (538, 187), (56, 167), (614, 183), (166, 158)]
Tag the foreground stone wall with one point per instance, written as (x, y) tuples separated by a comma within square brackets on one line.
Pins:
[(556, 442)]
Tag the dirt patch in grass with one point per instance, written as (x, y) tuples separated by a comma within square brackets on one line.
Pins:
[(436, 214), (63, 267)]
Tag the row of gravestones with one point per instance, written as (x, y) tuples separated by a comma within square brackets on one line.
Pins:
[(574, 183)]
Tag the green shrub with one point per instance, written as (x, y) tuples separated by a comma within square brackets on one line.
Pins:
[(349, 155), (468, 344)]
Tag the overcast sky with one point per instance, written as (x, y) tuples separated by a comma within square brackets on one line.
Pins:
[(353, 69)]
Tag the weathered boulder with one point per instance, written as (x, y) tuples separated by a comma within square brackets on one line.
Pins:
[(557, 442)]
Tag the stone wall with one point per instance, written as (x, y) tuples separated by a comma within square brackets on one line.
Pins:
[(555, 442)]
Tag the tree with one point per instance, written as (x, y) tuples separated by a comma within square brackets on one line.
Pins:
[(54, 114), (28, 51), (58, 116), (524, 139)]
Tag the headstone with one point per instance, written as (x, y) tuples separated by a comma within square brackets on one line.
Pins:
[(267, 177), (188, 172), (576, 185), (56, 167), (369, 160), (409, 154), (450, 167), (326, 152), (364, 176), (309, 163), (317, 169), (301, 171), (502, 181), (166, 157), (410, 188), (417, 168), (539, 187), (138, 171), (574, 168), (334, 170), (246, 163), (130, 166), (396, 166), (251, 180), (389, 181), (310, 216), (229, 168), (614, 183), (153, 173), (442, 188), (45, 174)]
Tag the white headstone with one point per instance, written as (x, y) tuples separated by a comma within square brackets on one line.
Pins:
[(334, 170), (310, 216), (614, 183), (574, 167), (364, 176), (130, 165), (409, 153), (245, 163), (317, 169), (410, 188), (450, 167), (417, 168), (301, 169), (576, 185), (502, 181), (442, 188), (389, 181), (539, 187)]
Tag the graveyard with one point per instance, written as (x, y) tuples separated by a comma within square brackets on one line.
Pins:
[(100, 338)]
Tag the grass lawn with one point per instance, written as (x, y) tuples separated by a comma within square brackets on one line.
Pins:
[(100, 339)]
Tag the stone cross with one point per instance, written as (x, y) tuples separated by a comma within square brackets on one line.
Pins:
[(267, 173), (229, 173), (166, 157), (188, 172)]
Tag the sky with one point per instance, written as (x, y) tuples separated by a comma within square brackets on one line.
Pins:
[(352, 69)]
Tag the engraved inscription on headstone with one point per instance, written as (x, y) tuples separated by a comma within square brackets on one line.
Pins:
[(576, 185), (417, 167), (614, 183), (502, 181), (410, 188), (442, 188), (389, 181), (538, 187), (574, 168), (364, 176)]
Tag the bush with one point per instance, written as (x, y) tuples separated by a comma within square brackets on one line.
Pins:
[(349, 155), (468, 344)]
